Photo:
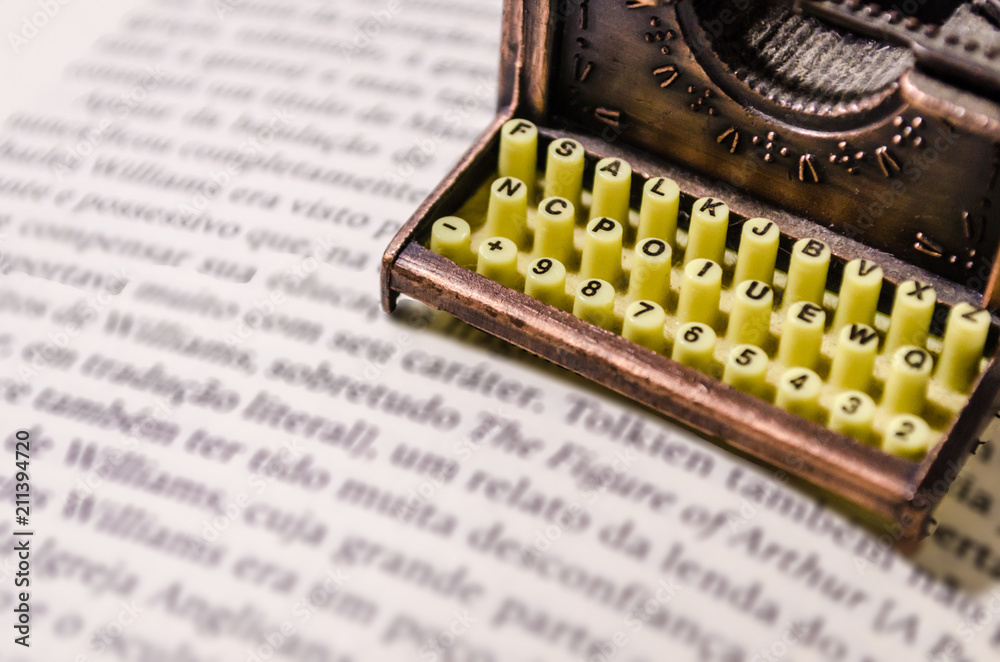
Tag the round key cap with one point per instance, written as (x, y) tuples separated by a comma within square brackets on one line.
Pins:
[(519, 153), (658, 209), (859, 291), (798, 392), (507, 213), (707, 231), (912, 310), (802, 335), (644, 324), (694, 345), (595, 302), (602, 250), (700, 291), (564, 170), (746, 368), (450, 238), (498, 261), (807, 272), (546, 281), (964, 340), (758, 251), (906, 386), (750, 317), (854, 357), (554, 229), (907, 436), (612, 188), (852, 414), (650, 276)]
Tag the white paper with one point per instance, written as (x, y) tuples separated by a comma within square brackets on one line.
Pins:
[(236, 456)]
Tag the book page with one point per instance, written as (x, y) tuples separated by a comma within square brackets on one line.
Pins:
[(236, 456)]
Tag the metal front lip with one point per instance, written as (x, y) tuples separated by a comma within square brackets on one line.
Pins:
[(879, 482)]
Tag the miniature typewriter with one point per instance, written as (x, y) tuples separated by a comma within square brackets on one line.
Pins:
[(773, 222)]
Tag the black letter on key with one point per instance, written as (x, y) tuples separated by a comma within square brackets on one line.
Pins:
[(612, 167), (915, 358), (813, 248), (918, 290), (653, 247), (565, 148), (604, 225), (709, 205), (866, 267), (554, 202), (863, 334), (509, 186), (808, 312), (752, 290), (971, 315), (520, 127)]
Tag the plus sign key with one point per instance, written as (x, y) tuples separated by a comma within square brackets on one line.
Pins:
[(498, 261)]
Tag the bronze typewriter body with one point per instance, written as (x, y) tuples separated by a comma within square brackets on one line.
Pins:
[(870, 132)]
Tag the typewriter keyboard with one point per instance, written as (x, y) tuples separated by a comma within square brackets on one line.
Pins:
[(753, 311)]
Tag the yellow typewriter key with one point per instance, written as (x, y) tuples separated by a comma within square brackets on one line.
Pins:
[(906, 386), (746, 369), (801, 335), (564, 170), (853, 413), (658, 209), (694, 346), (602, 250), (798, 392), (519, 153), (750, 317), (554, 229), (644, 324), (701, 288), (545, 280), (912, 310), (650, 277), (612, 189), (859, 291), (907, 436), (595, 302), (507, 213), (707, 232), (758, 251), (498, 261), (964, 340), (807, 272), (854, 357), (450, 238)]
